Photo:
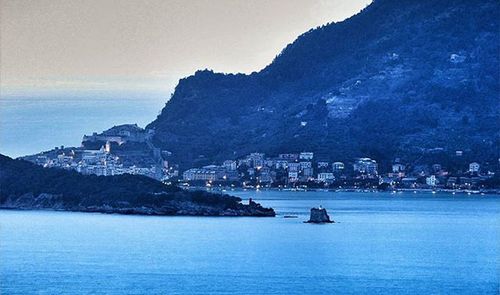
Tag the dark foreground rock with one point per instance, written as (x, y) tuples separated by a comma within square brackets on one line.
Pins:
[(26, 186), (319, 215), (45, 201)]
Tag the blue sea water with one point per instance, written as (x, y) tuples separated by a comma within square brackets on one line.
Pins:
[(382, 243), (29, 125)]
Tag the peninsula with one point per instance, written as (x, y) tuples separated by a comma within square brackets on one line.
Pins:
[(27, 186)]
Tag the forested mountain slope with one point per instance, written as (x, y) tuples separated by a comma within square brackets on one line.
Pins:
[(399, 79)]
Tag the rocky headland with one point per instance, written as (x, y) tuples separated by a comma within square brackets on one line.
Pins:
[(26, 186)]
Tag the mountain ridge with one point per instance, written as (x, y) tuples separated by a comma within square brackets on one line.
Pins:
[(395, 80)]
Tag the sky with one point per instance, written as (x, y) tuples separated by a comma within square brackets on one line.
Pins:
[(63, 47)]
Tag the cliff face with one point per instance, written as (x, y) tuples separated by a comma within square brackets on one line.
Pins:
[(24, 185), (399, 78)]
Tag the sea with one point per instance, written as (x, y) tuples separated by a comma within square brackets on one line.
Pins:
[(381, 243), (31, 124)]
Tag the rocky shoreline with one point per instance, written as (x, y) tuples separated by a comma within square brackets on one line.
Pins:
[(171, 208), (26, 186)]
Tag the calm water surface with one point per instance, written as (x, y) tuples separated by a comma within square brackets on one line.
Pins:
[(382, 243), (29, 125)]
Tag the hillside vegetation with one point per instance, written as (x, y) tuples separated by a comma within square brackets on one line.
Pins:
[(24, 185), (396, 80)]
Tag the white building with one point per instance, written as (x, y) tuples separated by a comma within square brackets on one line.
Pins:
[(256, 159), (290, 157), (293, 176), (306, 156), (245, 162), (366, 166), (323, 164), (326, 177), (474, 167), (199, 174), (431, 180), (304, 165), (293, 167), (308, 172), (338, 166), (397, 167), (230, 165), (265, 175)]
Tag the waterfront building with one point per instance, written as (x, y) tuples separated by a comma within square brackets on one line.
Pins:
[(467, 182), (265, 175), (431, 180), (389, 180), (206, 173), (293, 176), (452, 182), (199, 174), (326, 177), (409, 182)]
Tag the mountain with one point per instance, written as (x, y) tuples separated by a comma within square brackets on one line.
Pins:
[(405, 79), (24, 185)]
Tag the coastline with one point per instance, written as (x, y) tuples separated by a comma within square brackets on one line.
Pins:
[(117, 212), (345, 190), (251, 210)]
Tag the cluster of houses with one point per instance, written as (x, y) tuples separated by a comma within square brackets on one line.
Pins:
[(98, 162), (437, 177), (133, 154), (293, 169), (285, 168), (253, 170)]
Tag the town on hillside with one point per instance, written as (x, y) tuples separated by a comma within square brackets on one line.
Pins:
[(123, 149), (302, 170), (128, 149)]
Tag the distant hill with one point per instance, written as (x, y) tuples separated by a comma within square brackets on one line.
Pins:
[(24, 185), (400, 79)]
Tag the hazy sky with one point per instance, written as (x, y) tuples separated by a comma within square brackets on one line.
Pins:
[(146, 45)]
